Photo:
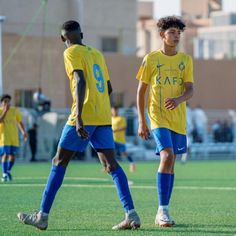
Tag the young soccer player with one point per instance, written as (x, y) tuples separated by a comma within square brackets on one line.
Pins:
[(119, 128), (89, 122), (169, 74), (10, 118)]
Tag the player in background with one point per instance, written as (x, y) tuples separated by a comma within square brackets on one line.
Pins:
[(119, 129), (10, 120), (89, 122), (169, 76)]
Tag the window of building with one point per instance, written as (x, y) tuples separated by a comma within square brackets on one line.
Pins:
[(24, 98), (109, 44)]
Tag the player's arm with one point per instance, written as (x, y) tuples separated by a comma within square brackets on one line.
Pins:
[(109, 87), (22, 129), (143, 130), (78, 76), (172, 103), (4, 112)]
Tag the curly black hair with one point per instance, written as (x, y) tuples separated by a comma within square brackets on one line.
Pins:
[(169, 22)]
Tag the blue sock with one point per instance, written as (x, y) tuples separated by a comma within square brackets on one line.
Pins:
[(4, 167), (121, 183), (163, 185), (10, 165), (54, 182), (172, 178), (130, 159)]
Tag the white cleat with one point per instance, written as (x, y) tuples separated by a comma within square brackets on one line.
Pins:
[(163, 218), (131, 221), (36, 219)]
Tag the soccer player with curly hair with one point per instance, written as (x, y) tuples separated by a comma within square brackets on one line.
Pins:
[(169, 75)]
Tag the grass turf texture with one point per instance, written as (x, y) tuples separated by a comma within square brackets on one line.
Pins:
[(93, 208)]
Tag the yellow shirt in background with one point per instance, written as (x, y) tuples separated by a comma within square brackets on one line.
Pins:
[(166, 76), (119, 122), (9, 129), (96, 107)]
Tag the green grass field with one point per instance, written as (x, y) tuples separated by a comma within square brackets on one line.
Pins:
[(203, 200)]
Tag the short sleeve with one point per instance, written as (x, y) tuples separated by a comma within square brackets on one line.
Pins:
[(188, 77), (144, 73), (72, 62), (18, 115)]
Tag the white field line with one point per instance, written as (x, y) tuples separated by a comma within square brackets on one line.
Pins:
[(110, 185)]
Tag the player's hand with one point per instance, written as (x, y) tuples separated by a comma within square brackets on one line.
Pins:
[(82, 133), (143, 131), (25, 135), (6, 107), (171, 103)]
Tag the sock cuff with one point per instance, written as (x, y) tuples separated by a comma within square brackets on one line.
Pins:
[(117, 170), (59, 168)]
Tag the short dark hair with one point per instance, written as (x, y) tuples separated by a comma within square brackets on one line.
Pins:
[(169, 22), (4, 96), (70, 26), (115, 107)]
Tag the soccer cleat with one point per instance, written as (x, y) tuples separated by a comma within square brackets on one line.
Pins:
[(36, 219), (9, 176), (132, 167), (4, 178), (163, 218), (131, 221)]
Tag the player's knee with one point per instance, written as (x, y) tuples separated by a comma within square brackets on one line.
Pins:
[(109, 167), (60, 161), (167, 158)]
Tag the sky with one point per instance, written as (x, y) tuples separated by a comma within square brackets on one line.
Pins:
[(172, 7)]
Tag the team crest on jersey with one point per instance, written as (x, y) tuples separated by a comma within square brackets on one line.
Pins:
[(181, 66)]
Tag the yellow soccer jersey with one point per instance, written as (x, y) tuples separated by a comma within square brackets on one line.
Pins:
[(96, 107), (166, 76), (119, 122), (8, 128)]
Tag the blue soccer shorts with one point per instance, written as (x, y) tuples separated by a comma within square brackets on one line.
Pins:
[(8, 150), (100, 137), (166, 138)]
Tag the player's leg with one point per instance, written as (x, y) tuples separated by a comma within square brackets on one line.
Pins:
[(132, 166), (10, 164), (54, 182), (164, 175), (70, 139), (4, 167), (131, 221), (102, 141)]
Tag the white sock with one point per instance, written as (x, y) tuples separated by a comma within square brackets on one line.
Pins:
[(42, 213), (131, 211), (163, 207)]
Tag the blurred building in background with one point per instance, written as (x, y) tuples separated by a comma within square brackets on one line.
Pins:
[(196, 14), (147, 34), (33, 51), (217, 41)]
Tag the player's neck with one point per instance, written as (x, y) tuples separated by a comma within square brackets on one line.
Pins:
[(169, 51)]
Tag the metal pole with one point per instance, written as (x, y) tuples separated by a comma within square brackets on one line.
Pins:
[(2, 19)]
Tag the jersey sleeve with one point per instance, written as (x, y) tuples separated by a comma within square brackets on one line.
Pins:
[(72, 62), (18, 115), (188, 76), (144, 73)]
